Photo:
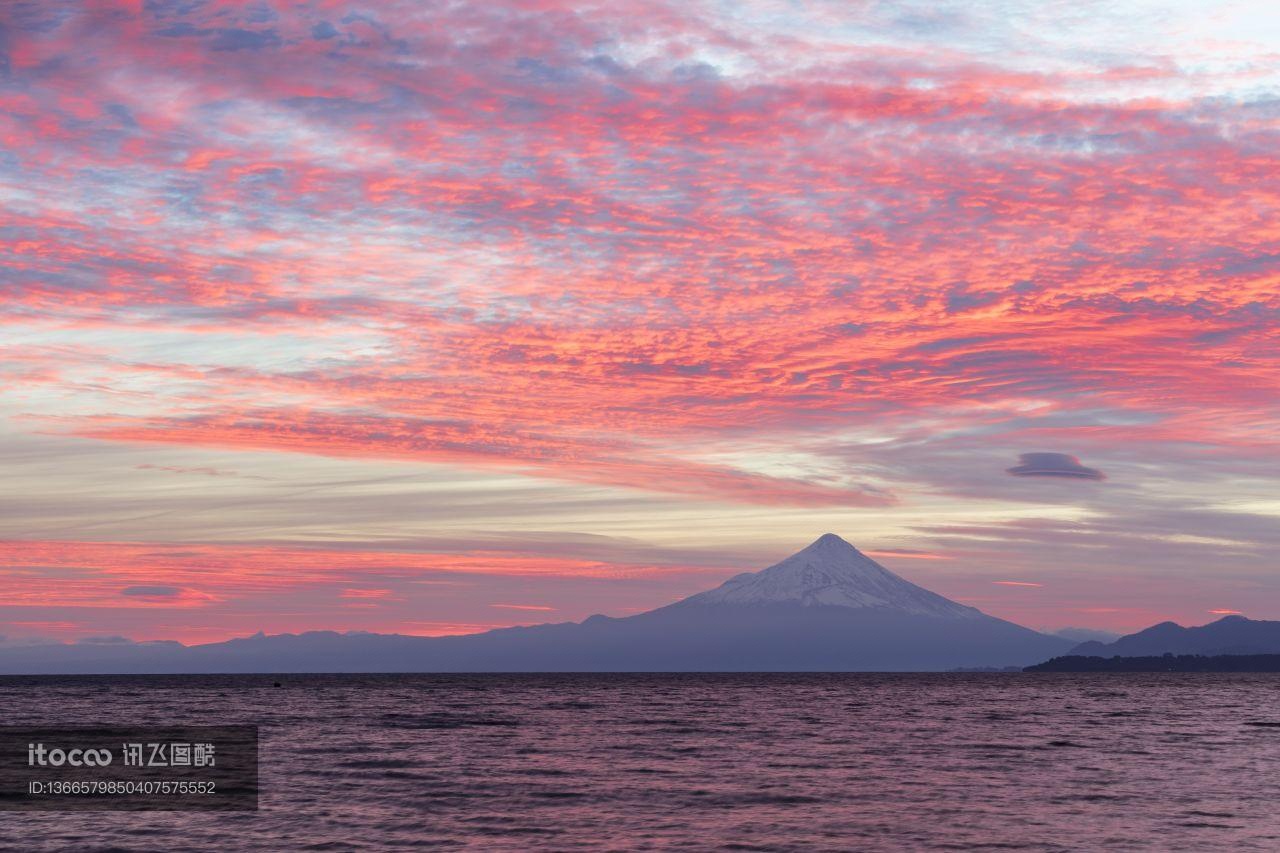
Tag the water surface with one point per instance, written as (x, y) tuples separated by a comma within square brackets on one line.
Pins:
[(698, 762)]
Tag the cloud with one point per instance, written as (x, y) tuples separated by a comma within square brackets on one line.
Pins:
[(1053, 465), (576, 457), (181, 469), (352, 592), (152, 591), (903, 553), (228, 589), (644, 259)]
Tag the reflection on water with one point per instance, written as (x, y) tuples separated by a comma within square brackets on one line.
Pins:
[(563, 762)]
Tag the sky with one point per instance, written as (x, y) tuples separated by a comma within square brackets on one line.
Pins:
[(432, 317)]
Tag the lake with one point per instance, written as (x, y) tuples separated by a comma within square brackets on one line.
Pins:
[(737, 762)]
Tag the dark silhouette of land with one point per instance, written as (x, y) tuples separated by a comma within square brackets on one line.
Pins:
[(1161, 663)]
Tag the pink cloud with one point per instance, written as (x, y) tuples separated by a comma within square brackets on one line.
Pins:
[(652, 246)]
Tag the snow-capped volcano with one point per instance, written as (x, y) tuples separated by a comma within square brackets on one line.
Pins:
[(832, 572), (827, 608)]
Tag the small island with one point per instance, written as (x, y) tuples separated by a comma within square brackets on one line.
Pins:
[(1161, 663)]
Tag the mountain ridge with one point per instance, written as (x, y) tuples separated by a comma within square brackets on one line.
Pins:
[(1233, 634), (828, 607)]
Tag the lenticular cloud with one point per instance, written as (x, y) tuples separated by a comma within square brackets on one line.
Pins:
[(1054, 465)]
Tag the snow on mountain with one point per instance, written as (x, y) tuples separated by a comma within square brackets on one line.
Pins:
[(832, 572)]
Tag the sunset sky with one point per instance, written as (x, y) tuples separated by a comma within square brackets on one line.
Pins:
[(434, 317)]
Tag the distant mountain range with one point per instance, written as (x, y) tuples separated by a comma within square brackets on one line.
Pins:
[(1084, 635), (828, 607), (1230, 635)]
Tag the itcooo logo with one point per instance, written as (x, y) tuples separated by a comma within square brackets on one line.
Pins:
[(39, 755)]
